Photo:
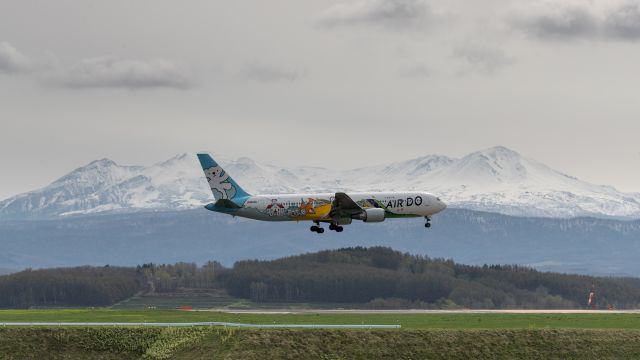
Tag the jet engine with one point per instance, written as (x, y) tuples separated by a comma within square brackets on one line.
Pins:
[(371, 215)]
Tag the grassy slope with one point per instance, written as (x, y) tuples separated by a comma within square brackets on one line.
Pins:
[(75, 343), (419, 344), (211, 343), (212, 299), (407, 321)]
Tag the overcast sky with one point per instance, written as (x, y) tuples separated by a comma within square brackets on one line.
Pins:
[(337, 84)]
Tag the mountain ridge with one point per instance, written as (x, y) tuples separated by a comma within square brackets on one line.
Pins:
[(576, 245), (496, 179)]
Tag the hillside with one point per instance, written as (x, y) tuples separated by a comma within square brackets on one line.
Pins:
[(495, 179), (376, 277), (386, 278)]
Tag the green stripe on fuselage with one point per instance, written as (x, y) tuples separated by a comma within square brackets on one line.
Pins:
[(390, 215)]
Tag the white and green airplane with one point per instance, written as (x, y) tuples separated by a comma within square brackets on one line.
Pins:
[(336, 209)]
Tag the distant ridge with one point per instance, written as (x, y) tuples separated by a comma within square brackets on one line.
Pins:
[(578, 245), (496, 179)]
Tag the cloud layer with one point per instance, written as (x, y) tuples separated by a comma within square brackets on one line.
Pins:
[(394, 13), (623, 22), (562, 20), (12, 61), (113, 72)]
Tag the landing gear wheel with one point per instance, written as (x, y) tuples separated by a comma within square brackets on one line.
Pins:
[(339, 228), (320, 230), (332, 227), (427, 225), (314, 228)]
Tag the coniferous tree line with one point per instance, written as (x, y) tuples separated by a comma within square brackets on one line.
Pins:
[(79, 286), (360, 275), (101, 286), (377, 276)]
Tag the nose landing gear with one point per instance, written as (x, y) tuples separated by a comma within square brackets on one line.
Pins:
[(428, 223)]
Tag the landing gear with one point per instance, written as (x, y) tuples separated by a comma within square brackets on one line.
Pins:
[(336, 228), (316, 228), (428, 223)]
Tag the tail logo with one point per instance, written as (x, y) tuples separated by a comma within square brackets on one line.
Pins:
[(219, 183)]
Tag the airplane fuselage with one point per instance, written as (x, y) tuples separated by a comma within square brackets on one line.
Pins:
[(317, 207)]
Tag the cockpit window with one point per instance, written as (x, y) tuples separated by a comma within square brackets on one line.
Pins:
[(438, 199)]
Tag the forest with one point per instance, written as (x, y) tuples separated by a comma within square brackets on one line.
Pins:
[(78, 286), (387, 278), (376, 277)]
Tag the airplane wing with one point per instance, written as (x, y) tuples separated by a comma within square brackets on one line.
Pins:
[(344, 206)]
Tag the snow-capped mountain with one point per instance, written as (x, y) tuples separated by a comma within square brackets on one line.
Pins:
[(103, 185), (495, 179), (501, 180)]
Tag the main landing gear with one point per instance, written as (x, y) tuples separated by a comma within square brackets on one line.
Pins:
[(428, 223), (316, 228)]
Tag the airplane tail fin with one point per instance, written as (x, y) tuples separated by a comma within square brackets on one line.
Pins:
[(222, 185)]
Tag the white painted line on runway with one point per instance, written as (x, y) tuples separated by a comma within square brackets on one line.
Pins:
[(213, 323)]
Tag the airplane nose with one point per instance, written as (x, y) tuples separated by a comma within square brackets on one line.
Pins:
[(441, 205)]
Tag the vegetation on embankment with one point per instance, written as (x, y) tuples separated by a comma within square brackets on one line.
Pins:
[(97, 343), (218, 343)]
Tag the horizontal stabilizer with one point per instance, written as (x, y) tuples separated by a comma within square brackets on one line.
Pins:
[(226, 203)]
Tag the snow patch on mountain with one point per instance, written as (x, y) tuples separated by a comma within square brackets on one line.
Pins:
[(496, 179)]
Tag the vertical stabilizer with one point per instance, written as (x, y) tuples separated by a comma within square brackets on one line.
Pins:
[(221, 184)]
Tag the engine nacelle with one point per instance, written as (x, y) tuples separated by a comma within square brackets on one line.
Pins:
[(371, 215)]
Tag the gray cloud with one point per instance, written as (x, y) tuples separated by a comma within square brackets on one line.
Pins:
[(623, 22), (393, 13), (482, 59), (556, 20), (11, 60), (268, 73), (113, 72), (559, 22)]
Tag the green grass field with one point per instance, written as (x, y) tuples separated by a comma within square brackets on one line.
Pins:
[(218, 343), (422, 336), (602, 320), (212, 299)]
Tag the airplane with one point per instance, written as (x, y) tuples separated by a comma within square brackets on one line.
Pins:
[(336, 209)]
